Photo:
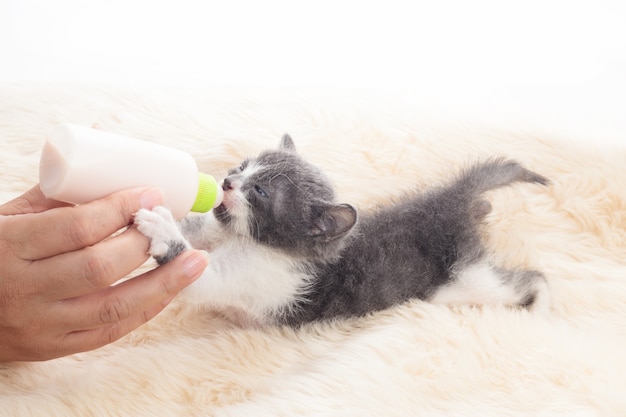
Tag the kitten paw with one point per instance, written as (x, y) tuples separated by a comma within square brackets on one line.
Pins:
[(540, 301), (166, 240)]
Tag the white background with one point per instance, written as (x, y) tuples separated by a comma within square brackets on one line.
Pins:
[(560, 64)]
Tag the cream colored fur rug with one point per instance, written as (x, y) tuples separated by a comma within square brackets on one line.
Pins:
[(414, 360)]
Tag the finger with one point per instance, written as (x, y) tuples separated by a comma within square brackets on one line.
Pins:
[(134, 296), (88, 270), (168, 279), (32, 201), (42, 347), (67, 229), (85, 340)]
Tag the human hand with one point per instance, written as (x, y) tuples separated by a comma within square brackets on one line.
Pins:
[(58, 264)]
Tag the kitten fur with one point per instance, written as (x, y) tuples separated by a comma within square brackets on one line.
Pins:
[(283, 251)]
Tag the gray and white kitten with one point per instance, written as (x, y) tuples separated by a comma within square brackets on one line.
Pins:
[(283, 251)]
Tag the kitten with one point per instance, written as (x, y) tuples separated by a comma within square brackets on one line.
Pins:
[(283, 251)]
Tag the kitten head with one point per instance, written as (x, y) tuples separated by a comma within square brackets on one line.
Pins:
[(282, 201)]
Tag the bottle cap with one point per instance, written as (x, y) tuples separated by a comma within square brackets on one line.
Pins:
[(210, 194)]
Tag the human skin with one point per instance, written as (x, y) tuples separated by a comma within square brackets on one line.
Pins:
[(58, 264)]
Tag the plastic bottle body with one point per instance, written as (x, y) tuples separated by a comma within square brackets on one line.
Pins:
[(80, 164)]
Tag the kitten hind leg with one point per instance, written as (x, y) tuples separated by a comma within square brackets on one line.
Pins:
[(166, 239), (483, 284), (532, 287)]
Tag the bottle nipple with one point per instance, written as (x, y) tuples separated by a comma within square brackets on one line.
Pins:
[(210, 194)]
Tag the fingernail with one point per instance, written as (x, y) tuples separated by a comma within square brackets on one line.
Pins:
[(151, 198), (195, 264)]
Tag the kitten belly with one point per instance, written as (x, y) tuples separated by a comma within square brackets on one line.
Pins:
[(259, 281)]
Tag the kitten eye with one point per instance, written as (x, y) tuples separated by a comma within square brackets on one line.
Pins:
[(239, 169), (260, 191)]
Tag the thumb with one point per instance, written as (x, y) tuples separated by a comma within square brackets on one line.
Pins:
[(32, 201)]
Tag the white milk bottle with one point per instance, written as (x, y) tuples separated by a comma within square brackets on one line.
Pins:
[(80, 164)]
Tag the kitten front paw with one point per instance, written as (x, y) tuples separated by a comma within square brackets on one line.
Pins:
[(166, 240)]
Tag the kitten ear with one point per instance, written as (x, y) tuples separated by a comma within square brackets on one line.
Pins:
[(286, 144), (333, 221)]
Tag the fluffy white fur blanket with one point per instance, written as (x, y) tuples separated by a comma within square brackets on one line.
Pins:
[(416, 359)]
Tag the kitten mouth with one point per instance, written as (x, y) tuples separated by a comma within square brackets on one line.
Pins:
[(229, 201), (221, 213), (224, 210)]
